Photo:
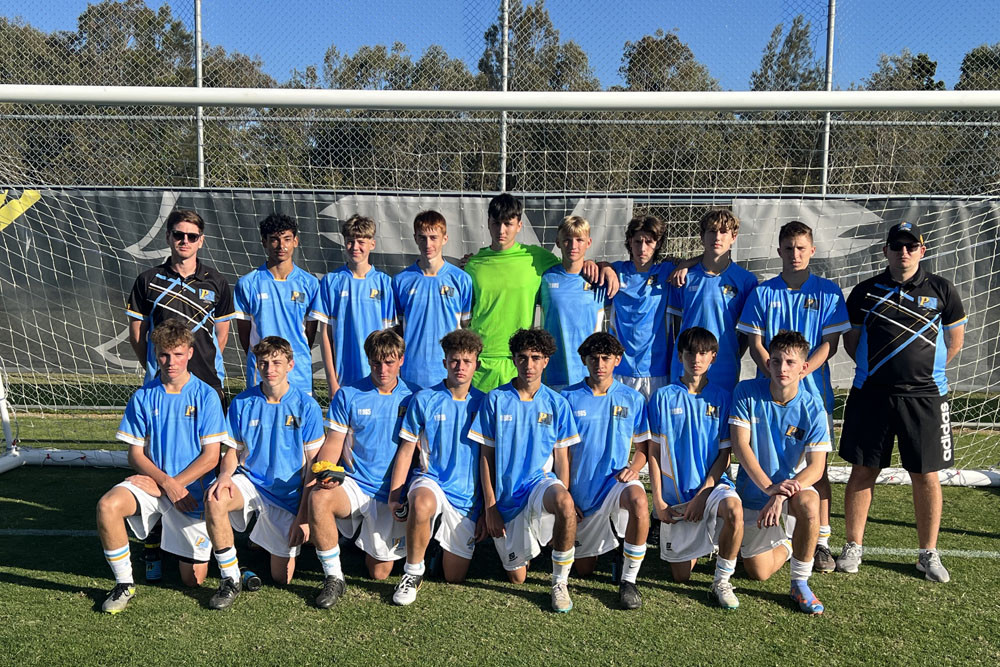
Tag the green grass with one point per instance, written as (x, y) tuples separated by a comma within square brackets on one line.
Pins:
[(50, 588)]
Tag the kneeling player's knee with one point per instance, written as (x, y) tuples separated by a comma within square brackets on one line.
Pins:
[(805, 506), (109, 506), (636, 502), (564, 503), (756, 570), (517, 576), (731, 511), (423, 505), (585, 566)]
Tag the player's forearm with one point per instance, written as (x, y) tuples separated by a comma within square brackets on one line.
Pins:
[(243, 332), (487, 475), (332, 448), (310, 328), (137, 339), (655, 480), (851, 340), (740, 438), (560, 465), (144, 466), (401, 468), (954, 339), (819, 356), (718, 467), (326, 348), (813, 471), (230, 461), (639, 457), (222, 334), (206, 461), (759, 353)]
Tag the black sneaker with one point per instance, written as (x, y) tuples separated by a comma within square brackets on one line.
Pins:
[(226, 595), (629, 596), (333, 588)]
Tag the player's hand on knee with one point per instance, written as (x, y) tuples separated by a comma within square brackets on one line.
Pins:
[(179, 495), (396, 507), (771, 512), (494, 522), (626, 475), (145, 483), (298, 534), (481, 531), (786, 487), (696, 508), (222, 488)]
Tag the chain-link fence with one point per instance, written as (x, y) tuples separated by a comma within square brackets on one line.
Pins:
[(554, 45)]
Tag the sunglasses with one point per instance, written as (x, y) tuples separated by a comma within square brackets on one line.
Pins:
[(898, 246), (192, 237)]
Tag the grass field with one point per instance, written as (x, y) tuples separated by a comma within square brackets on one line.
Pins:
[(53, 584)]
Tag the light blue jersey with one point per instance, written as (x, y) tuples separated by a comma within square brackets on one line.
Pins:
[(371, 421), (780, 435), (714, 302), (429, 307), (172, 429), (440, 424), (609, 424), (353, 308), (572, 309), (639, 320), (524, 435), (272, 439), (691, 430), (815, 310), (278, 308)]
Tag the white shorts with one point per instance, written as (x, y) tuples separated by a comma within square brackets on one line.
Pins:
[(687, 540), (529, 531), (456, 533), (598, 533), (381, 536), (273, 522), (182, 535), (646, 386)]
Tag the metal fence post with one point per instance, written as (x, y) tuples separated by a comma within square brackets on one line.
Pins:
[(198, 82), (831, 14), (503, 87)]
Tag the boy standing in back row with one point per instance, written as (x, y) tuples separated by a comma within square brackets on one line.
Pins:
[(797, 300)]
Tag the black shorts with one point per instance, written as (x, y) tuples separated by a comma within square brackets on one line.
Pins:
[(874, 419)]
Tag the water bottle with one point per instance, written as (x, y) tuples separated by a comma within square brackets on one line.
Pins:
[(251, 582)]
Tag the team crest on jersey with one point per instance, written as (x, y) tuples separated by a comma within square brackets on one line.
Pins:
[(729, 291), (587, 287), (299, 297), (712, 411), (206, 295), (190, 411), (795, 432), (652, 280), (401, 411), (545, 418), (811, 303), (619, 411), (200, 541), (292, 420), (374, 294), (512, 556), (447, 291), (929, 302)]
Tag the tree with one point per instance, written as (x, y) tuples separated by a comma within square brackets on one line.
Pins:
[(662, 62), (789, 64), (904, 71), (537, 60)]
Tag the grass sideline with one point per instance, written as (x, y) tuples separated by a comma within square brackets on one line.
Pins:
[(885, 613)]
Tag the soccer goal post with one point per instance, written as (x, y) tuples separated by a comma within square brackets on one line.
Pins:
[(92, 172)]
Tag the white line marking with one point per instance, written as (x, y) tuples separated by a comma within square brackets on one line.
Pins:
[(42, 532), (956, 553)]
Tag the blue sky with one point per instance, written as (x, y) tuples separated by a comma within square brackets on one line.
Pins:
[(726, 35)]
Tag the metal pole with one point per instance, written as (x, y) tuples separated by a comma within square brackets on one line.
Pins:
[(503, 87), (198, 82), (831, 14)]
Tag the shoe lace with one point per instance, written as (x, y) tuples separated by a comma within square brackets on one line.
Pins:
[(227, 584), (407, 581), (853, 550), (119, 590), (932, 559), (724, 587)]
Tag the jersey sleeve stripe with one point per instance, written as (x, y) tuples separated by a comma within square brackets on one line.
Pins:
[(837, 327), (214, 438), (566, 442), (749, 328), (232, 443), (480, 438), (674, 311), (742, 423), (225, 318), (955, 324), (316, 315), (239, 315), (133, 440), (819, 447), (134, 314), (642, 437), (406, 435), (335, 426), (313, 444)]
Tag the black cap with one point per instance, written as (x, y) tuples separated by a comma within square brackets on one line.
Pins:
[(903, 230)]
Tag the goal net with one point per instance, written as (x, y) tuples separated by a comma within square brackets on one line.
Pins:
[(80, 219)]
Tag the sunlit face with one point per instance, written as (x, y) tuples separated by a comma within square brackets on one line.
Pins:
[(358, 248), (430, 242), (643, 247), (280, 246), (173, 362), (787, 367), (795, 252), (274, 368), (530, 364), (385, 372), (185, 240), (696, 364), (574, 248), (503, 234), (904, 254), (717, 242), (601, 367), (461, 366)]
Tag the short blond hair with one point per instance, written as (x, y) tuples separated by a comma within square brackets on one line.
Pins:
[(384, 344), (573, 226), (358, 227), (172, 333), (720, 219), (270, 345)]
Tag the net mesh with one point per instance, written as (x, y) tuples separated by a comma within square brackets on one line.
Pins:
[(104, 174)]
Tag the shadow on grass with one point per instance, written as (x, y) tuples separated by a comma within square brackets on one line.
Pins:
[(907, 570)]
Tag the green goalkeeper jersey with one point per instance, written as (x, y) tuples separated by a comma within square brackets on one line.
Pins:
[(504, 286)]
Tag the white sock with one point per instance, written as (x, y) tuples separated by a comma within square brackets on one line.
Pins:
[(416, 569), (634, 553), (330, 560), (120, 561), (788, 547), (229, 565), (824, 537), (724, 569), (562, 561), (801, 569)]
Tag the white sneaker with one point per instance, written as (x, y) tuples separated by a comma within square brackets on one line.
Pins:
[(723, 592), (850, 558), (406, 589), (118, 598), (930, 564), (560, 598)]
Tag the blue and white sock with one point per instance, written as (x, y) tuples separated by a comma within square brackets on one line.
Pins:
[(330, 560), (120, 560)]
